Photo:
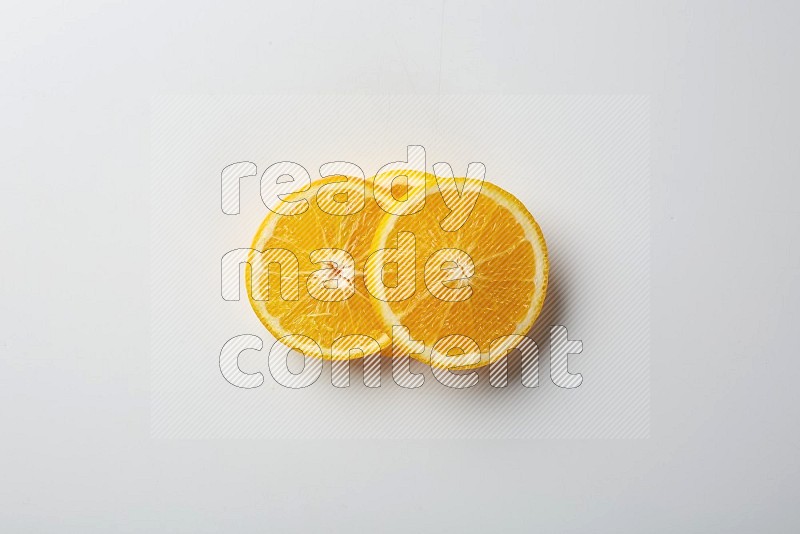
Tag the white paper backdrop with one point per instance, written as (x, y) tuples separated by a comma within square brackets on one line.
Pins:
[(579, 163)]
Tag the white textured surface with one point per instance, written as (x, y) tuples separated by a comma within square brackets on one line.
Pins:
[(77, 81), (579, 163)]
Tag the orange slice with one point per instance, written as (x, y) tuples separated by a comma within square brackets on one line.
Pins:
[(313, 324), (481, 286)]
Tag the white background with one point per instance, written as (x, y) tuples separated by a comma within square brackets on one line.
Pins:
[(76, 451), (579, 163)]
